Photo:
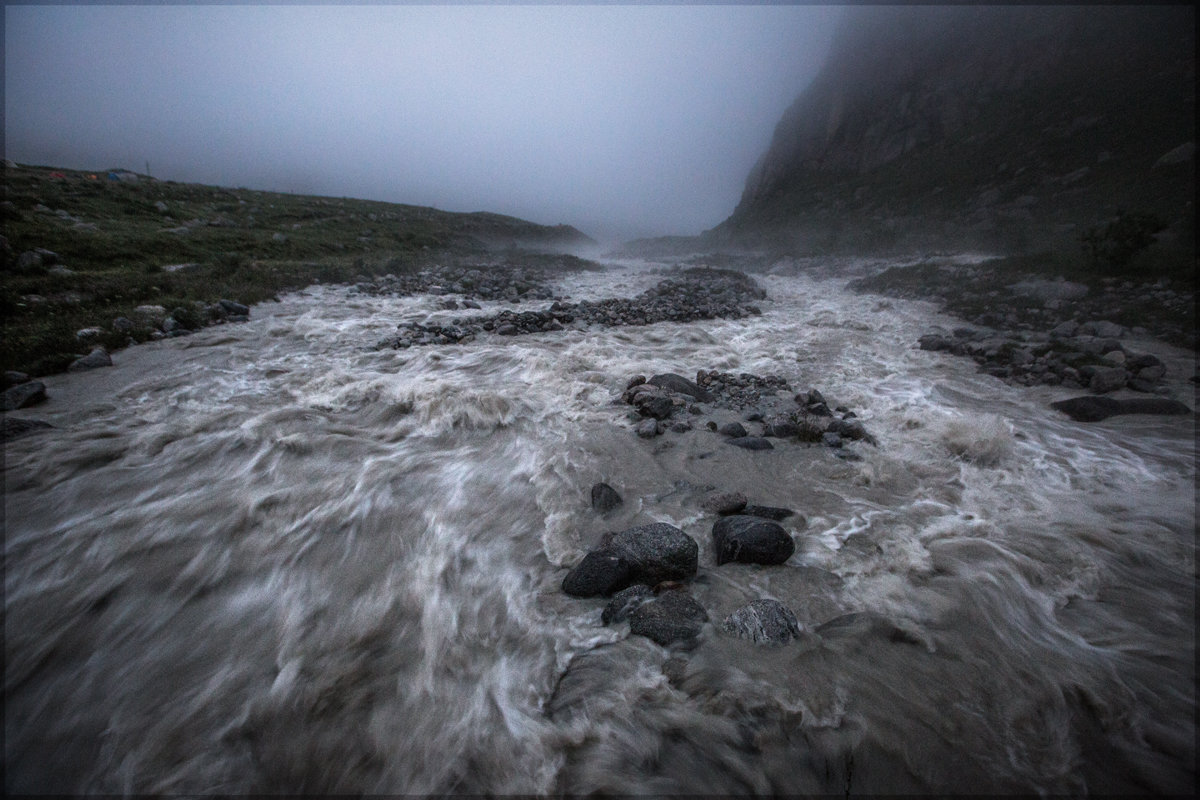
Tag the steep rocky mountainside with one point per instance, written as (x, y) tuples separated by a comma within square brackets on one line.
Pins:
[(1007, 127)]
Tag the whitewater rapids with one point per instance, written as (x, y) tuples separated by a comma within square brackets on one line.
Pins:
[(268, 558)]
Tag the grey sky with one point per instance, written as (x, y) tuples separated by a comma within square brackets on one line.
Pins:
[(621, 120)]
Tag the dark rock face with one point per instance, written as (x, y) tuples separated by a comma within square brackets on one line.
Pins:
[(903, 83), (751, 443), (765, 621), (660, 552), (624, 602), (1094, 409), (751, 540), (601, 572), (605, 498), (681, 385), (672, 617), (24, 395)]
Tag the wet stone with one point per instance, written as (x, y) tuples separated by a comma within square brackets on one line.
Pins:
[(751, 540), (732, 429), (601, 572), (764, 621), (625, 601), (672, 617)]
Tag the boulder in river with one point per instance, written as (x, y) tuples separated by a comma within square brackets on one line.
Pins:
[(670, 617), (24, 395), (648, 554), (765, 621), (601, 572), (677, 383), (751, 540), (661, 552), (1090, 408)]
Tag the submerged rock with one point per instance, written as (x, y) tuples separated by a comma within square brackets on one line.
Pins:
[(16, 426), (624, 602), (751, 443), (605, 498)]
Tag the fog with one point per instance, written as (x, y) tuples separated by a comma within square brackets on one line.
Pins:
[(622, 121)]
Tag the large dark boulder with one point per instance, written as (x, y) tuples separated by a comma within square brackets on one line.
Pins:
[(1090, 408), (660, 552), (648, 554), (751, 540), (766, 621), (677, 383), (673, 616), (601, 572), (605, 498)]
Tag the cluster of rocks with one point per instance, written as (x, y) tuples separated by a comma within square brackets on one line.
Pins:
[(181, 320), (643, 571), (1034, 304), (472, 282), (696, 294), (1072, 355), (31, 262), (668, 402)]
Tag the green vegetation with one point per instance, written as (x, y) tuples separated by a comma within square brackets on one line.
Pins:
[(113, 239)]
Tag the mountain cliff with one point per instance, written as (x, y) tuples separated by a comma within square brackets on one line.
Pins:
[(1012, 127)]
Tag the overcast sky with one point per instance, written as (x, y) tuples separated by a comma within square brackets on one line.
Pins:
[(624, 121)]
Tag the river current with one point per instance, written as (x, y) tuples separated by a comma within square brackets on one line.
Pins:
[(268, 558)]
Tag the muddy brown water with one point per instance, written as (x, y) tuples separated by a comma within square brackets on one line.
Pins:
[(266, 558)]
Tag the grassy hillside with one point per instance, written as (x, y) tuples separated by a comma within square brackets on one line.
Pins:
[(134, 241)]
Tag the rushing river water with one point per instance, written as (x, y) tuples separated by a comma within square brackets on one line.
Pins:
[(266, 558)]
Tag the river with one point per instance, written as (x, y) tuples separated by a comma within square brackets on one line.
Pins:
[(269, 558)]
